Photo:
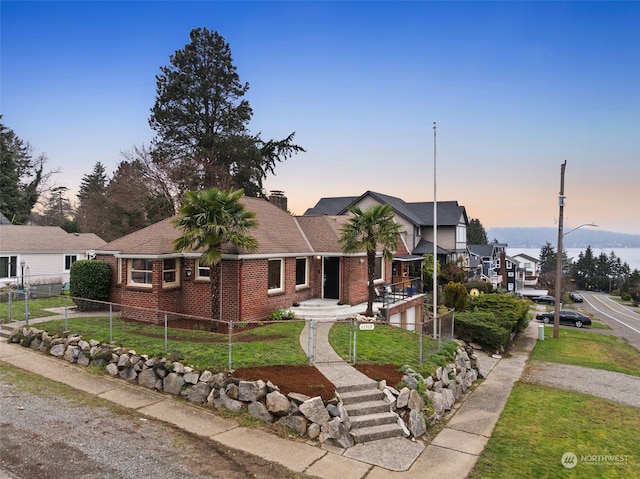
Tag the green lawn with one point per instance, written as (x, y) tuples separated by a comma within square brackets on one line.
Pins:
[(36, 308), (539, 424), (272, 344), (589, 349)]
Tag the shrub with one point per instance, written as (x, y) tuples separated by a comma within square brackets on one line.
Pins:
[(280, 314), (625, 297), (89, 279), (456, 296), (482, 328)]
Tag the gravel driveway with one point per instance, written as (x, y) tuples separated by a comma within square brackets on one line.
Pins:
[(618, 387), (49, 432)]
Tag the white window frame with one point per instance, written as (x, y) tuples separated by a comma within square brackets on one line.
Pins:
[(203, 273), (72, 258), (306, 272), (148, 273), (461, 234), (175, 271), (11, 265), (280, 287)]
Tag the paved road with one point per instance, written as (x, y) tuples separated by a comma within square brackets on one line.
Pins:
[(623, 320)]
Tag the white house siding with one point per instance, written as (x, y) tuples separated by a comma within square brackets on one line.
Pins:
[(43, 268)]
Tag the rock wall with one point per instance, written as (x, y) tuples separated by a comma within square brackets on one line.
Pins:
[(308, 416)]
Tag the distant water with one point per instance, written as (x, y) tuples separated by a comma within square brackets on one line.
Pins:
[(631, 256)]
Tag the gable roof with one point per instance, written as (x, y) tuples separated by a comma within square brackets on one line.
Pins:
[(277, 233), (527, 257), (45, 239), (419, 213), (323, 231), (481, 250)]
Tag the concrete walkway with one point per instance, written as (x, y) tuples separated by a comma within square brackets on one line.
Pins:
[(452, 453)]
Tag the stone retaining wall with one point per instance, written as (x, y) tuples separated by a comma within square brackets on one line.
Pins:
[(308, 416)]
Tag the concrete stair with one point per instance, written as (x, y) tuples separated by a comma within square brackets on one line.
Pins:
[(370, 416), (7, 330)]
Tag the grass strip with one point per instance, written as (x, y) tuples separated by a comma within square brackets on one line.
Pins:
[(540, 424), (588, 349)]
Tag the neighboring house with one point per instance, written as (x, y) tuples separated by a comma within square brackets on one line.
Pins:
[(510, 273), (417, 220), (530, 270), (31, 255), (298, 258), (484, 263)]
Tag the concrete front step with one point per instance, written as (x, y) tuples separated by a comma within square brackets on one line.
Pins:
[(377, 419), (359, 396), (365, 408), (374, 433), (7, 330)]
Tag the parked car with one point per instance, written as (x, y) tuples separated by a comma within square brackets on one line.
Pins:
[(575, 297), (567, 316), (545, 299)]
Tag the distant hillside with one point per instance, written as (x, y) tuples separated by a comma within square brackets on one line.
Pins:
[(581, 238)]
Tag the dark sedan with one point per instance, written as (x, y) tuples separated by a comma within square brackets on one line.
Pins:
[(575, 297), (545, 299), (567, 316)]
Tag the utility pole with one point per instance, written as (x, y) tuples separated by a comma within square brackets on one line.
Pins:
[(556, 314)]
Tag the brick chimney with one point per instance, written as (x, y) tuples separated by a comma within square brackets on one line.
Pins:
[(277, 198)]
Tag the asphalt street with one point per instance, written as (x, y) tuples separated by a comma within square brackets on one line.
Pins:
[(624, 320)]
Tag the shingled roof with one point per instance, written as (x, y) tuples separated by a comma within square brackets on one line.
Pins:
[(277, 233), (45, 239), (418, 213)]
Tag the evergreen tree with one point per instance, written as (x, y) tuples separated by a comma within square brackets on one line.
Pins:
[(200, 118), (93, 213), (21, 177), (476, 233)]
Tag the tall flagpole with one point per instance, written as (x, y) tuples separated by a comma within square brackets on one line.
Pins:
[(435, 240)]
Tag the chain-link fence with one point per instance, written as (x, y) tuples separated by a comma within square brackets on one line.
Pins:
[(227, 345)]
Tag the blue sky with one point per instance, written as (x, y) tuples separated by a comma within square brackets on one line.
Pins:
[(516, 88)]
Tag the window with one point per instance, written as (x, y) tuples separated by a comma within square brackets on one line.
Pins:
[(69, 259), (276, 272), (170, 272), (202, 271), (461, 234), (8, 266), (302, 277), (378, 274), (141, 272)]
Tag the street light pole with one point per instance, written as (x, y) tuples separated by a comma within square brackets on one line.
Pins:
[(556, 313)]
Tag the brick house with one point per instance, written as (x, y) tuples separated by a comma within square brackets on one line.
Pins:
[(298, 258)]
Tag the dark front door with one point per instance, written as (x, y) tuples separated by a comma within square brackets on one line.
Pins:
[(331, 278)]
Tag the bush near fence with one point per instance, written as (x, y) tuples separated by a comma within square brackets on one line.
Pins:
[(493, 320)]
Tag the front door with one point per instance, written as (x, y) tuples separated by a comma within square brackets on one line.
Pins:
[(331, 278)]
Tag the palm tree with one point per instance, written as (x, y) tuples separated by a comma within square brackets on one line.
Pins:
[(210, 219), (365, 231)]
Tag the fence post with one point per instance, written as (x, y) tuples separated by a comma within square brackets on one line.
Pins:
[(311, 348), (26, 307), (166, 338), (355, 340), (421, 327), (111, 323), (65, 314), (9, 306), (453, 322), (230, 360)]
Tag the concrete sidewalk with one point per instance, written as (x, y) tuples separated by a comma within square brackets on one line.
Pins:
[(452, 453)]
